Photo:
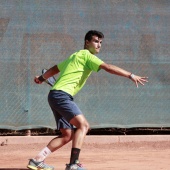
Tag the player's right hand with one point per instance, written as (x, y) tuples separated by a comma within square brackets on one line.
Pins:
[(36, 80)]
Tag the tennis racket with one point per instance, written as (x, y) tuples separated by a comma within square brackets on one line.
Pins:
[(50, 80)]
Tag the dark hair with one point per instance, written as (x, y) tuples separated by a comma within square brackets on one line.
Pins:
[(91, 33)]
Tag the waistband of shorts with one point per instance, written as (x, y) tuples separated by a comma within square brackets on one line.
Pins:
[(62, 92)]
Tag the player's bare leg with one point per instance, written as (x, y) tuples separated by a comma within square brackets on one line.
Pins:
[(82, 128), (64, 138), (53, 145)]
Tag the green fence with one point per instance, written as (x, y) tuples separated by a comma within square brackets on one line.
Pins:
[(36, 34)]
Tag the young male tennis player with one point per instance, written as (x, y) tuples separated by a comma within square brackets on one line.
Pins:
[(70, 120)]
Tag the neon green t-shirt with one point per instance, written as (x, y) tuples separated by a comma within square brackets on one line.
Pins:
[(75, 70)]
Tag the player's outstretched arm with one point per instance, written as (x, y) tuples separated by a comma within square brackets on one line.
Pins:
[(121, 72), (49, 73)]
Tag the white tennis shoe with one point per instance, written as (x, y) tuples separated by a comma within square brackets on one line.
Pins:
[(34, 165)]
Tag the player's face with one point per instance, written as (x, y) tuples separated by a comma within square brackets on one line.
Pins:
[(94, 45)]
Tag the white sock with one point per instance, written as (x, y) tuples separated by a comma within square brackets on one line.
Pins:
[(43, 154)]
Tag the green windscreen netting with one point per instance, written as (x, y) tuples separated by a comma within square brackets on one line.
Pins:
[(36, 34)]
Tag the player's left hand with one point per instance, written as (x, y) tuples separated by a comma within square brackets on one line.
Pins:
[(138, 79)]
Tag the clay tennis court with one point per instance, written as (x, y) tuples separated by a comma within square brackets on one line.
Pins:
[(98, 152)]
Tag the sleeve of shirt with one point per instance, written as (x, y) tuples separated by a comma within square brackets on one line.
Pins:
[(61, 65), (94, 62)]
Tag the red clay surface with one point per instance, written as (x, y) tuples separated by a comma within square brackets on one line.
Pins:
[(150, 155)]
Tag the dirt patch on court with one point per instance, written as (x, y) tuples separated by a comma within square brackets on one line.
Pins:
[(118, 156)]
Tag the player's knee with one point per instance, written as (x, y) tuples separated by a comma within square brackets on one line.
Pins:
[(80, 123), (67, 136), (67, 139), (86, 127)]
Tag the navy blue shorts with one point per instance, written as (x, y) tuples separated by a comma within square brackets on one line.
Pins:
[(63, 107)]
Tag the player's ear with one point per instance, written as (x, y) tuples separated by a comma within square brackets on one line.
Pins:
[(86, 43)]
